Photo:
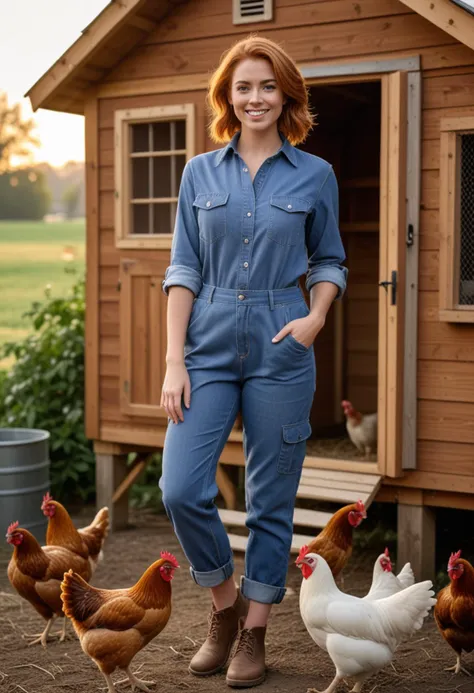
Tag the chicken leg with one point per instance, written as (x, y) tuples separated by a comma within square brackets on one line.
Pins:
[(457, 667), (337, 679), (43, 637), (136, 683)]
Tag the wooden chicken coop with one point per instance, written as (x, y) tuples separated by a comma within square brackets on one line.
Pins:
[(392, 82)]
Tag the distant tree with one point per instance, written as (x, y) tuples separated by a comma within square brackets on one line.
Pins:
[(15, 133), (24, 194), (70, 199)]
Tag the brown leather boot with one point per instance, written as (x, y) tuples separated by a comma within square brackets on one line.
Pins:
[(247, 667), (213, 654)]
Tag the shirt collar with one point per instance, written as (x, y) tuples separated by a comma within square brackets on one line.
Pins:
[(286, 148)]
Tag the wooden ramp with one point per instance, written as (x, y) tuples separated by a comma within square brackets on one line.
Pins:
[(318, 485)]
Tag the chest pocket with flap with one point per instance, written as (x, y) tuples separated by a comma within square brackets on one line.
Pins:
[(287, 219), (212, 215)]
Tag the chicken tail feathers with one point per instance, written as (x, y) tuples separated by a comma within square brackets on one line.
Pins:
[(406, 610), (95, 534), (406, 576), (80, 600)]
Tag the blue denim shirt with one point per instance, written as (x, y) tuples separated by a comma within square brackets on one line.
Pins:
[(236, 234)]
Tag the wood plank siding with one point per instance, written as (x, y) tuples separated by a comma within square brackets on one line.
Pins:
[(189, 42)]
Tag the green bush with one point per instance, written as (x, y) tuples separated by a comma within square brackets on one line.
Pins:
[(45, 389), (145, 492)]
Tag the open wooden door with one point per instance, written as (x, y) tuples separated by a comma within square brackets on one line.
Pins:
[(142, 337), (393, 167)]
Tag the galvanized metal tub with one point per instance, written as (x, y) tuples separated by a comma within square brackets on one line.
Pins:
[(24, 478)]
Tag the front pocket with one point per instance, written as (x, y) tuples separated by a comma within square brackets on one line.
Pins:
[(293, 447), (212, 215), (287, 219), (197, 311)]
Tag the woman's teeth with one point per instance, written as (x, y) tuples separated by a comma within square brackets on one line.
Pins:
[(256, 113)]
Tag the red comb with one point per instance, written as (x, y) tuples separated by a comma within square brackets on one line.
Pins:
[(303, 551), (360, 506), (12, 527), (387, 553), (454, 557), (47, 497), (167, 556)]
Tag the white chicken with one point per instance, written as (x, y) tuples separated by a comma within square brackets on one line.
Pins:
[(384, 582), (361, 428), (359, 635)]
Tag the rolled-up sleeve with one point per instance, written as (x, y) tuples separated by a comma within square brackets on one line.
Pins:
[(185, 268), (325, 250)]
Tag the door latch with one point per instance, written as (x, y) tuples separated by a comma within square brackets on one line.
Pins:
[(393, 284)]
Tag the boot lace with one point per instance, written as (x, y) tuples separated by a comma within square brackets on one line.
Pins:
[(246, 642), (215, 619)]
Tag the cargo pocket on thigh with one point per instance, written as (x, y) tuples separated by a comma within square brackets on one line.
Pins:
[(293, 447)]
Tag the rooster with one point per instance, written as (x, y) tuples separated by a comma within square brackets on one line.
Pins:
[(86, 542), (454, 612), (334, 542), (113, 625), (360, 636), (36, 572), (361, 428), (384, 582)]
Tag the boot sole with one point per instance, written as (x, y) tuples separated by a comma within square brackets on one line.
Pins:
[(236, 683)]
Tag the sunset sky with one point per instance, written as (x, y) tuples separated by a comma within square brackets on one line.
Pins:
[(34, 35)]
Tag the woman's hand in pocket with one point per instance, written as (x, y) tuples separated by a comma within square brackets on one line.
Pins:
[(176, 388), (304, 330)]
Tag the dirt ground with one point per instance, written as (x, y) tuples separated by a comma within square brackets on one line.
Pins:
[(294, 662)]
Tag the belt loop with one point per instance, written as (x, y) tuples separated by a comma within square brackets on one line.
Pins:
[(211, 294), (270, 300)]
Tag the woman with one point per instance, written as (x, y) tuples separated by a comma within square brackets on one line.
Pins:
[(252, 218)]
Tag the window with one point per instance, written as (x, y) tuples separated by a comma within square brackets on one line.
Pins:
[(152, 147), (456, 257)]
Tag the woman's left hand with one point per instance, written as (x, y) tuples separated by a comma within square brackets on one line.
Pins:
[(304, 330)]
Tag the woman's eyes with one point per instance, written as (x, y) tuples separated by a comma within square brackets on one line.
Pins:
[(268, 87)]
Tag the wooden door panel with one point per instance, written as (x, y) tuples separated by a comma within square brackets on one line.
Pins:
[(142, 337)]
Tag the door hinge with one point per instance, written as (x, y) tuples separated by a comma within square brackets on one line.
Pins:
[(393, 284), (410, 235)]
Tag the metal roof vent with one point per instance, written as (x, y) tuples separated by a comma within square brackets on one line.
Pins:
[(247, 11)]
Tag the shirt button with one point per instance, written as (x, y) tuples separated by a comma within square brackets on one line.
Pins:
[(290, 206), (246, 240), (208, 204), (249, 214), (241, 297), (246, 264), (245, 170)]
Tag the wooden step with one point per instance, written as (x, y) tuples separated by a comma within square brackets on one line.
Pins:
[(239, 542), (316, 484), (338, 487), (303, 517)]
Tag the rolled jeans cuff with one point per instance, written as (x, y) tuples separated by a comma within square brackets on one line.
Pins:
[(213, 578), (259, 592)]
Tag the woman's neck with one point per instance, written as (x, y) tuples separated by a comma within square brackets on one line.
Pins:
[(259, 145)]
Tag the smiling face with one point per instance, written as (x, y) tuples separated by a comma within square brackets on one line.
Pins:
[(255, 95)]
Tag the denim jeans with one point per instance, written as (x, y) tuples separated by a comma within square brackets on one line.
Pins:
[(233, 365)]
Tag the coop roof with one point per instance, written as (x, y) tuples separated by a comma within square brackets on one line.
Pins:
[(123, 24)]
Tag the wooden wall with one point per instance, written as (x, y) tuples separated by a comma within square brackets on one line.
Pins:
[(190, 42)]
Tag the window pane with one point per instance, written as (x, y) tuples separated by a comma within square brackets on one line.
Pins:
[(161, 136), (140, 137), (140, 218), (466, 274), (180, 162), (162, 218), (140, 178), (162, 176), (180, 134)]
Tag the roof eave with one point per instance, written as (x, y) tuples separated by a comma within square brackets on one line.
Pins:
[(447, 16)]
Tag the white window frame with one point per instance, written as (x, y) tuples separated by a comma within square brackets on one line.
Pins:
[(123, 119)]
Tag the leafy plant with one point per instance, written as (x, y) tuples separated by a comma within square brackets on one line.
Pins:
[(145, 492), (45, 389)]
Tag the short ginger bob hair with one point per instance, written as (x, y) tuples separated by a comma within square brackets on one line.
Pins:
[(296, 119)]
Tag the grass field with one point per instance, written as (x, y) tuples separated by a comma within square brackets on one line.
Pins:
[(33, 255)]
